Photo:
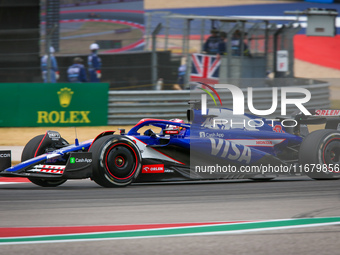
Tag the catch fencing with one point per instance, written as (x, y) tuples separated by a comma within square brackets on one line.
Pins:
[(128, 107)]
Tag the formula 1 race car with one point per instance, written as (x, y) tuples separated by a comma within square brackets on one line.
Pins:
[(209, 146)]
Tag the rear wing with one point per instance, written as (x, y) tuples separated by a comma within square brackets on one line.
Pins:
[(332, 118), (320, 116), (326, 113)]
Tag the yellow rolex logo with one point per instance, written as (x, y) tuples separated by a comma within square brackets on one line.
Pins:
[(65, 96)]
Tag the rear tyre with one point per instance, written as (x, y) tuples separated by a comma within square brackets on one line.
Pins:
[(30, 151), (116, 161), (319, 155)]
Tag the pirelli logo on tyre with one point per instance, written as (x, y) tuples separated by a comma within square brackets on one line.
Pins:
[(153, 169)]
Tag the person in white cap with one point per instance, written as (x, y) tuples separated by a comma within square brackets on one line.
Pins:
[(94, 64), (54, 71)]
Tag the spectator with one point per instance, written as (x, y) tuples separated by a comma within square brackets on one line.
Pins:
[(53, 67), (222, 46), (77, 72), (211, 45), (94, 64), (182, 69), (236, 44)]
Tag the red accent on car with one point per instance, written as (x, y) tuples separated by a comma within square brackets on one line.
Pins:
[(171, 132), (35, 153), (153, 169), (135, 155)]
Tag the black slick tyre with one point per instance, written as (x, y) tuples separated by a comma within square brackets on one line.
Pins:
[(319, 154), (116, 161), (30, 151)]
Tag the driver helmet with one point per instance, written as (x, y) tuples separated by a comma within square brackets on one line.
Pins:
[(173, 126)]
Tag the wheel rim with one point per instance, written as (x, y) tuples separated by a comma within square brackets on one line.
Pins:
[(121, 161), (331, 151), (331, 154)]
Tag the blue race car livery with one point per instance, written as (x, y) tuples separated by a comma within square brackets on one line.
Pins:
[(208, 146)]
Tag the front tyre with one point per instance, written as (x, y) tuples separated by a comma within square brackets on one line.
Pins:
[(116, 161), (319, 154), (31, 150)]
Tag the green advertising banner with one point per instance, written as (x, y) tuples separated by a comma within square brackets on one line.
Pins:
[(53, 104)]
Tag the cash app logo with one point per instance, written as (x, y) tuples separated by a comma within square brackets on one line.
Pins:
[(72, 160)]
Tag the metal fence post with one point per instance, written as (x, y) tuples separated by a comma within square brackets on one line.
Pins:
[(154, 61), (147, 30), (276, 35), (186, 50), (167, 27), (202, 34), (48, 51)]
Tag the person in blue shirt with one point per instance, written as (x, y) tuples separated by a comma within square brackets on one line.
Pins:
[(77, 72), (222, 46), (236, 44), (211, 44), (54, 71), (94, 64), (182, 70)]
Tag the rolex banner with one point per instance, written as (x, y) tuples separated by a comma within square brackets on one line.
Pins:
[(54, 104)]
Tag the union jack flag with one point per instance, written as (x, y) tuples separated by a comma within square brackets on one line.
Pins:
[(204, 68)]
